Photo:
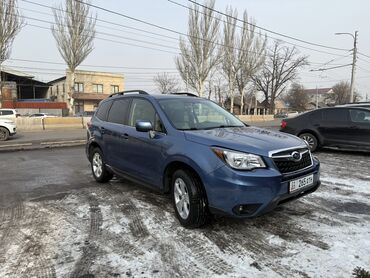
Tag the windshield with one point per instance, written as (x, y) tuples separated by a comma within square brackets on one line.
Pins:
[(194, 114)]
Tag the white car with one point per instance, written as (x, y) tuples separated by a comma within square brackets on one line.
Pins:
[(42, 116), (7, 128)]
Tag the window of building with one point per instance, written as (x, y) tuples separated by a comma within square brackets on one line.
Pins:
[(114, 89), (98, 88), (79, 106), (79, 87), (57, 90), (64, 88)]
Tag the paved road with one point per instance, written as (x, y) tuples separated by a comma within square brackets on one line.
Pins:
[(55, 221)]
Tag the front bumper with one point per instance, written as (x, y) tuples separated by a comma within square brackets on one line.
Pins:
[(246, 194)]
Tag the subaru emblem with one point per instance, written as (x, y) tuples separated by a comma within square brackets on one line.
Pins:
[(297, 156)]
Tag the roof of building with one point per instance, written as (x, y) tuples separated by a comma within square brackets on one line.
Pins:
[(16, 72), (57, 80), (89, 96)]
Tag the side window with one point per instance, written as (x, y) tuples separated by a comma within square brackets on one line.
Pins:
[(143, 110), (118, 111), (335, 115), (359, 116), (103, 109), (7, 112)]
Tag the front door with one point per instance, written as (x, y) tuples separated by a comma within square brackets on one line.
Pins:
[(144, 152)]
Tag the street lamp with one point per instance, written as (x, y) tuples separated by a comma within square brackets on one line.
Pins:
[(353, 62)]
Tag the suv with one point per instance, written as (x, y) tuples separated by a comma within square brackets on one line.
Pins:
[(10, 114), (343, 127), (208, 159), (7, 128)]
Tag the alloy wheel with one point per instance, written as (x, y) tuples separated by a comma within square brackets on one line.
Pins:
[(181, 198), (97, 164)]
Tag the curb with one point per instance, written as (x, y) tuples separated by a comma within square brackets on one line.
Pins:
[(41, 145)]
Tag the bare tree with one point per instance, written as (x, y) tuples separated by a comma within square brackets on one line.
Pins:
[(243, 54), (74, 32), (278, 72), (341, 93), (251, 55), (296, 98), (11, 23), (229, 53), (199, 55), (165, 83)]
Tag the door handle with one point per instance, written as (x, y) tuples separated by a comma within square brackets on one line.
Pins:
[(125, 136)]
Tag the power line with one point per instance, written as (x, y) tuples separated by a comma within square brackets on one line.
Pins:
[(268, 30), (104, 33), (105, 21), (336, 67), (87, 65), (106, 27)]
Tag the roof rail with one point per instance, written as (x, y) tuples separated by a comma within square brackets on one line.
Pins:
[(185, 94), (140, 92)]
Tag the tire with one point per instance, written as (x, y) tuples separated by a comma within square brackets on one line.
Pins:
[(192, 211), (311, 141), (4, 134), (98, 168)]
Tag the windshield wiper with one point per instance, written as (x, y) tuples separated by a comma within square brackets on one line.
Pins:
[(192, 128), (222, 126)]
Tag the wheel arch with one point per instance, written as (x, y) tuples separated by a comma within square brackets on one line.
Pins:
[(177, 165), (92, 145)]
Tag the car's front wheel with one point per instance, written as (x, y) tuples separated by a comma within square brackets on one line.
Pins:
[(311, 140), (99, 170), (4, 134), (189, 199)]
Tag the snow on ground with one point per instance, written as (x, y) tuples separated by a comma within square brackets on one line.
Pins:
[(122, 230)]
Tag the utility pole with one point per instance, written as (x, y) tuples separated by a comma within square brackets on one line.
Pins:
[(353, 66), (353, 62)]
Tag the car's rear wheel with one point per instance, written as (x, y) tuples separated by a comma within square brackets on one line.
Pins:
[(311, 140), (98, 168), (4, 134), (189, 199)]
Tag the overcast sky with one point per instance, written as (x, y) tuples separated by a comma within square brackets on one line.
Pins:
[(310, 20)]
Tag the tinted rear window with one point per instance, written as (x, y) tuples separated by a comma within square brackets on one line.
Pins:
[(118, 111), (103, 109), (335, 115)]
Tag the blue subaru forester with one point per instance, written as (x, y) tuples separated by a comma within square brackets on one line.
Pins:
[(210, 161)]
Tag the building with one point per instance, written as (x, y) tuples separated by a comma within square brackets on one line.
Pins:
[(319, 97), (22, 92), (90, 88)]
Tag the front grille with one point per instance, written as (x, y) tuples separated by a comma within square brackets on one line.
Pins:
[(286, 164)]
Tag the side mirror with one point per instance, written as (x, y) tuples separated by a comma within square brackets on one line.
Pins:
[(143, 126)]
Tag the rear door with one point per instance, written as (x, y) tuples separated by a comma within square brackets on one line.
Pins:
[(360, 126), (115, 134), (335, 126)]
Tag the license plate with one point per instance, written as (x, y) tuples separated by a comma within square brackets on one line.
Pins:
[(298, 184)]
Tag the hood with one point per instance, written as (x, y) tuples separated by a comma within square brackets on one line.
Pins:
[(246, 139)]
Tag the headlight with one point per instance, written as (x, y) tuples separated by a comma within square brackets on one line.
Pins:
[(239, 160)]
